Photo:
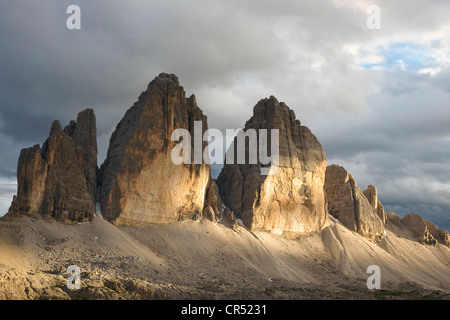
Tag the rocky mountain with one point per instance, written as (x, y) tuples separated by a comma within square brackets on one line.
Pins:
[(59, 179), (414, 227), (293, 198), (139, 183), (230, 246)]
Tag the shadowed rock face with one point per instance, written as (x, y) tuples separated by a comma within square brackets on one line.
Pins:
[(292, 199), (59, 180), (357, 210), (139, 183), (84, 135), (362, 212), (213, 204)]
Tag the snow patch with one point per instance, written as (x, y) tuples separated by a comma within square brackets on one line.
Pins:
[(333, 220), (98, 210)]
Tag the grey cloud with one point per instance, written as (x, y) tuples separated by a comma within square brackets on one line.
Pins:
[(121, 47), (401, 145), (415, 16)]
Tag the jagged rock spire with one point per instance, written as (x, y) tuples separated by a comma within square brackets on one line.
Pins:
[(58, 180)]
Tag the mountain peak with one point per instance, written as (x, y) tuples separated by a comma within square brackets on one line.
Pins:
[(292, 199), (138, 177)]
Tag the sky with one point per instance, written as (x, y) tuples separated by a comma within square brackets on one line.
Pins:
[(376, 98)]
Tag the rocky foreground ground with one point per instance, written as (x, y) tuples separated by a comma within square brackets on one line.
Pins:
[(204, 260)]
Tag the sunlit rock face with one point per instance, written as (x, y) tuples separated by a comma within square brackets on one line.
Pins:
[(59, 179), (291, 199), (371, 194), (425, 231), (139, 182), (357, 210)]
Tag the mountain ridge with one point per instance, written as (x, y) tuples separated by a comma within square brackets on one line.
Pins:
[(306, 215)]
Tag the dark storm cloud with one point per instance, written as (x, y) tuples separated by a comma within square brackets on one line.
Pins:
[(238, 52), (23, 125)]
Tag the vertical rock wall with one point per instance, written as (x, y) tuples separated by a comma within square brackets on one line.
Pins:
[(139, 183)]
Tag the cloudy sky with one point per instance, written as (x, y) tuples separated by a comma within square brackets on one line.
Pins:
[(377, 99)]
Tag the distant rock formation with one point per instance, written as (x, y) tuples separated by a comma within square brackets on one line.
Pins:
[(292, 199), (139, 183), (357, 210), (414, 227), (59, 180), (362, 212)]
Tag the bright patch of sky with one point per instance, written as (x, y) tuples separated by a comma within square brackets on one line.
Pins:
[(8, 188), (403, 56)]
